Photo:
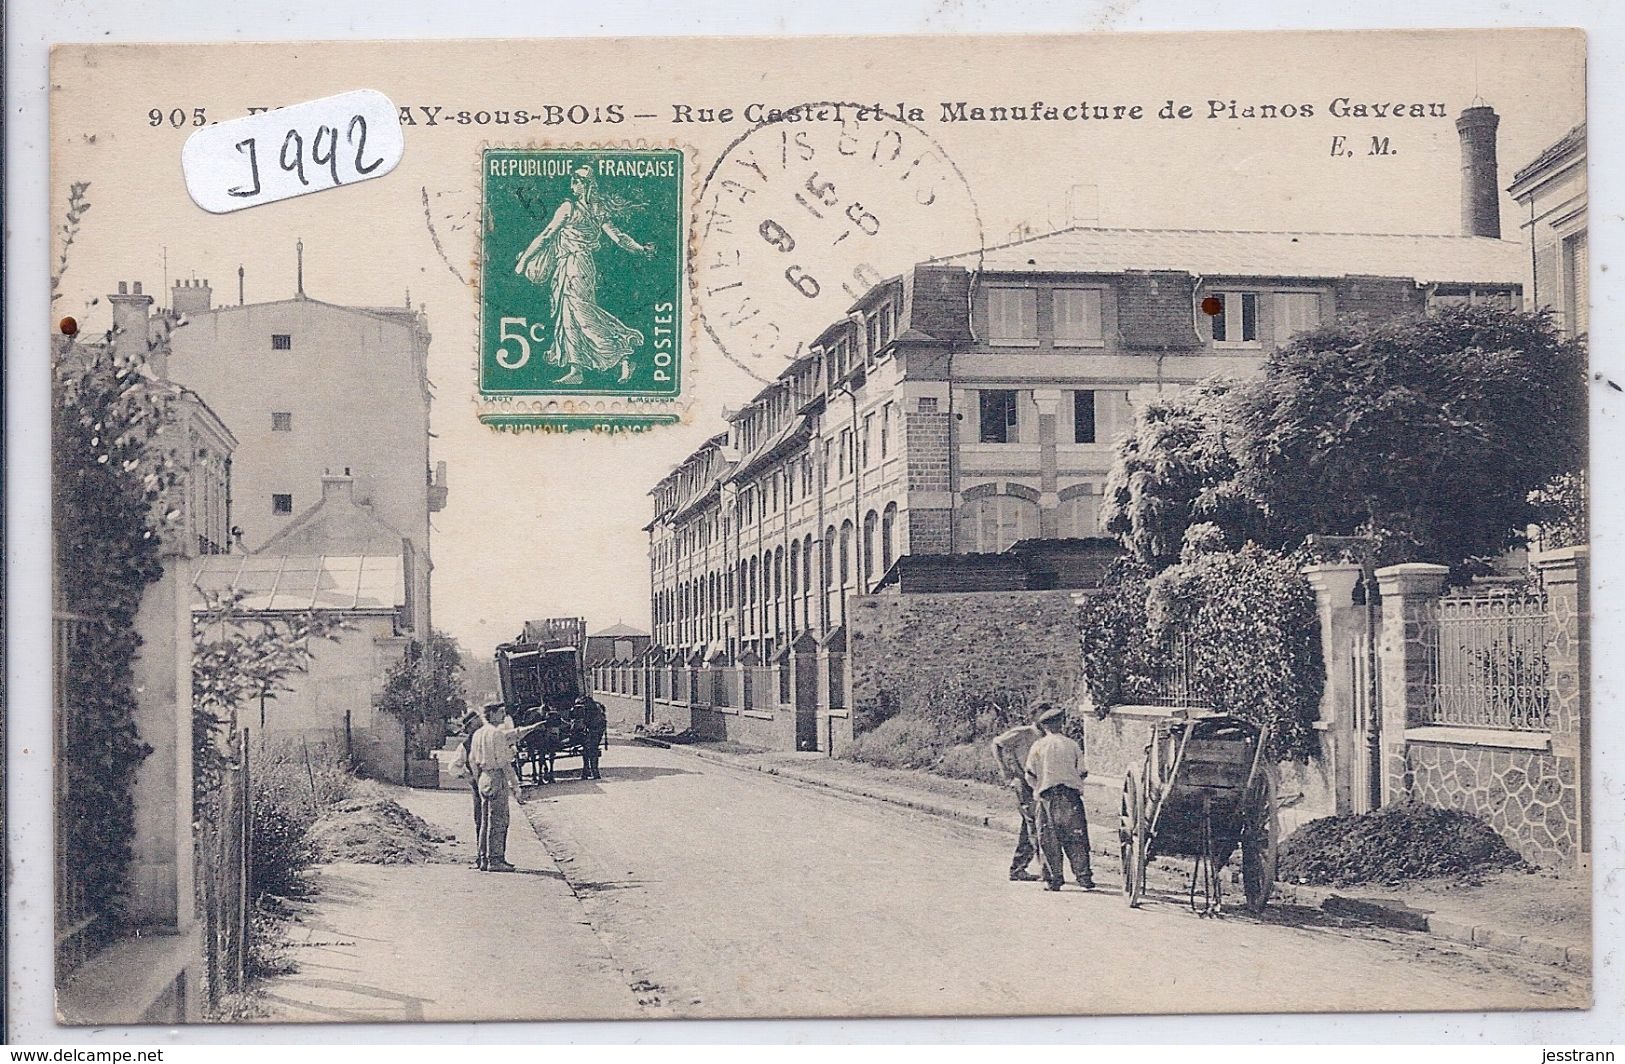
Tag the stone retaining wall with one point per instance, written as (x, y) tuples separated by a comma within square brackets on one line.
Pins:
[(1525, 795), (993, 641)]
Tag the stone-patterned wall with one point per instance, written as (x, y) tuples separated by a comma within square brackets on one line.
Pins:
[(1528, 796), (992, 640), (1529, 785)]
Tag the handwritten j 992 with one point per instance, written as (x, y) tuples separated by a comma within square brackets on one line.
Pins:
[(293, 151)]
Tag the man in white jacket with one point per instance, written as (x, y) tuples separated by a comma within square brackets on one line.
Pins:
[(490, 762)]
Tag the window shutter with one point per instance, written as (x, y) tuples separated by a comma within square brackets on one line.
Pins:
[(1077, 314), (1295, 312)]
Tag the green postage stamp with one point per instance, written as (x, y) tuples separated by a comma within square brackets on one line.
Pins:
[(583, 275)]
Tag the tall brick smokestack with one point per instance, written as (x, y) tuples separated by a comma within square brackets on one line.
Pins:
[(1480, 185)]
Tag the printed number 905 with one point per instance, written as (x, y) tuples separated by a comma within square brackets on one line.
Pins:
[(505, 332), (178, 117)]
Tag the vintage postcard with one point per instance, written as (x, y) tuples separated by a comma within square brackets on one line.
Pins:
[(821, 527)]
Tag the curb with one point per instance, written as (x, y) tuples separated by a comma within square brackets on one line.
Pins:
[(1576, 959), (1383, 913)]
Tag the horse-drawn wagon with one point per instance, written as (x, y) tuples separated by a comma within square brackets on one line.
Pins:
[(545, 682)]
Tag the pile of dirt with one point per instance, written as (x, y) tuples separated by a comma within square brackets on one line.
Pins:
[(376, 830), (1401, 842)]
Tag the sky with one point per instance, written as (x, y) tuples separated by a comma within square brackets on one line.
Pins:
[(544, 525)]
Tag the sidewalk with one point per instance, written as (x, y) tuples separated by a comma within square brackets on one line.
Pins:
[(427, 942), (1542, 917)]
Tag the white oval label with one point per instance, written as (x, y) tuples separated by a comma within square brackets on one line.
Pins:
[(293, 151)]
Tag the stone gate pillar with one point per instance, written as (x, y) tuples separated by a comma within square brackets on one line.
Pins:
[(1410, 611), (1342, 632), (1566, 576)]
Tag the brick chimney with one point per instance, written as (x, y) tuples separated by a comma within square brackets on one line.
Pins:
[(1480, 187), (191, 297), (132, 330)]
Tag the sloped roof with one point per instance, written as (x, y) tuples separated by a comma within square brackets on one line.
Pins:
[(618, 629), (1257, 253), (335, 524), (1574, 138), (298, 582)]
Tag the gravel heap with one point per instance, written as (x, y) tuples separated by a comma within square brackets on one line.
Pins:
[(373, 829), (1397, 843)]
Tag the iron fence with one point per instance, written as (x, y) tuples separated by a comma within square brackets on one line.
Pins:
[(1170, 683), (223, 856), (1488, 661)]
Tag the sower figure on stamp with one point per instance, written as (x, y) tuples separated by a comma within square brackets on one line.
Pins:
[(561, 261), (490, 759), (594, 725), (1055, 771), (1010, 753)]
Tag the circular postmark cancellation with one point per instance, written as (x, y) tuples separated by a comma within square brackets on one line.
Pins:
[(806, 212)]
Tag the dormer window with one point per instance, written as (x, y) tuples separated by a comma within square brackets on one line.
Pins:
[(1012, 317), (1236, 324), (1077, 317)]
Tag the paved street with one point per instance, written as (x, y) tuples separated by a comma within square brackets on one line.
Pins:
[(681, 887), (732, 894)]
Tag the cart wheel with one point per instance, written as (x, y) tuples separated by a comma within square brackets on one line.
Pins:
[(1131, 841), (1258, 843)]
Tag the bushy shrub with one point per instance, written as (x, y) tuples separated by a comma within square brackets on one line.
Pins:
[(1437, 426), (1175, 468), (1405, 841), (901, 742), (291, 789), (1246, 622), (425, 691), (1120, 663), (1249, 621), (114, 473)]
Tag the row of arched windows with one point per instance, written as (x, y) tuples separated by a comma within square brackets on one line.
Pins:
[(775, 590)]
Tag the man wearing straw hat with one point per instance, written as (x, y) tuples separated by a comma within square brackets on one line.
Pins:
[(1055, 771)]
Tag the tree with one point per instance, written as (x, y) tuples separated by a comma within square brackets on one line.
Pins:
[(1174, 470), (1431, 430), (424, 690)]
